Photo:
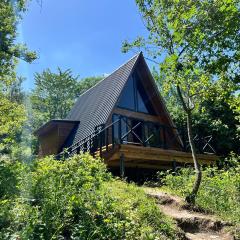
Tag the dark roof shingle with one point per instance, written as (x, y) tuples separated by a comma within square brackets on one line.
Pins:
[(95, 105)]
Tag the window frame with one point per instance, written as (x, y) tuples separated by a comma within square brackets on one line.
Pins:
[(136, 78)]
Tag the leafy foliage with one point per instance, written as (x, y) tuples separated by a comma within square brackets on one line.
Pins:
[(10, 51), (219, 191), (75, 199), (53, 96), (10, 172), (198, 45), (214, 117), (204, 31), (12, 111), (12, 118), (87, 83)]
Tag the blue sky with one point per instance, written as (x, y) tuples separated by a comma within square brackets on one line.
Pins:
[(83, 35)]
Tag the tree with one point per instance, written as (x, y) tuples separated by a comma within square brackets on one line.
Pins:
[(14, 92), (12, 118), (10, 50), (197, 43), (87, 83), (54, 95), (214, 116), (12, 111)]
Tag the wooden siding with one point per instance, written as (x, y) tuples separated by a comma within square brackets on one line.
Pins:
[(52, 140), (137, 115)]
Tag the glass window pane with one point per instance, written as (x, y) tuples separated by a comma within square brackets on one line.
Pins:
[(141, 105), (127, 96), (153, 135)]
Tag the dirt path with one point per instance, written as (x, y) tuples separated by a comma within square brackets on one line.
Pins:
[(195, 225)]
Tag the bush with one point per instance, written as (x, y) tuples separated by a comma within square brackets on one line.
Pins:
[(77, 199), (10, 174), (219, 191)]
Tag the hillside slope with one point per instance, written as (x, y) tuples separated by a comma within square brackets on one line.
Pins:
[(195, 225)]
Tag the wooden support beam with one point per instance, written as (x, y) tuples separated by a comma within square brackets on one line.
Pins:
[(115, 164), (174, 165), (122, 166)]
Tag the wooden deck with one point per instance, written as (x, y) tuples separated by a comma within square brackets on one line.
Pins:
[(150, 157)]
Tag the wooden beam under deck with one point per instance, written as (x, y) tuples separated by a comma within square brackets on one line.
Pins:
[(115, 164), (155, 158)]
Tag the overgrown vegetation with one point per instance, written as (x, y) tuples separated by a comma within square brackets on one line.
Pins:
[(12, 112), (197, 44), (219, 191), (75, 199), (214, 117)]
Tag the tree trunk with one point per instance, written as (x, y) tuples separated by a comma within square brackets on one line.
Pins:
[(192, 196)]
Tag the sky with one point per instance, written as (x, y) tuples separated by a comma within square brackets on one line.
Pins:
[(82, 35)]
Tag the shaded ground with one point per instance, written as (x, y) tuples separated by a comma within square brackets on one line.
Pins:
[(194, 223)]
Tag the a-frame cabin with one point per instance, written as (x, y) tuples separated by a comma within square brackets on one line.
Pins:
[(123, 119)]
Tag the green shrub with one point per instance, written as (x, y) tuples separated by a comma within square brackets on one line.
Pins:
[(10, 174), (219, 191), (78, 199)]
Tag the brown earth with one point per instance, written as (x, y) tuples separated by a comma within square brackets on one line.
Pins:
[(195, 224)]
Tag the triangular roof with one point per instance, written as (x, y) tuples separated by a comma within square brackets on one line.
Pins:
[(95, 106)]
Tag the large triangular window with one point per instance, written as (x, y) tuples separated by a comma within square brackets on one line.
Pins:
[(134, 97), (141, 106), (127, 99)]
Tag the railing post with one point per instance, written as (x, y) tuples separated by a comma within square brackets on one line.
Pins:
[(90, 145), (143, 134), (106, 137), (164, 138), (120, 130), (100, 144), (78, 150), (113, 141), (92, 148), (200, 144), (182, 135), (174, 165), (84, 147), (122, 166)]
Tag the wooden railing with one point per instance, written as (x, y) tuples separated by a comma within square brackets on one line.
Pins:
[(103, 137), (91, 143)]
